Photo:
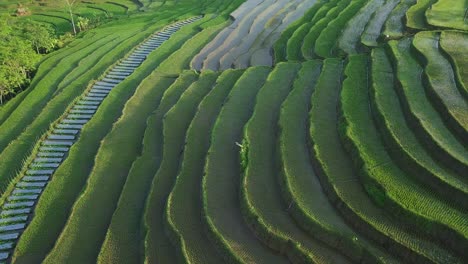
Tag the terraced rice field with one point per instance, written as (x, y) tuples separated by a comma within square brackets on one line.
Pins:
[(256, 131)]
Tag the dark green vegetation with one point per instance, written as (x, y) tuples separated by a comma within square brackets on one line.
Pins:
[(352, 148)]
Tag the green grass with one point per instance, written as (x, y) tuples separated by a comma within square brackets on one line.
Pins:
[(71, 176), (110, 6), (61, 25), (424, 119), (326, 45), (343, 187), (300, 186), (18, 150), (83, 66), (296, 41), (415, 16), (45, 66), (184, 201), (79, 241), (373, 31), (221, 209), (124, 238), (385, 183), (350, 39), (332, 10), (180, 59), (175, 125), (402, 143), (294, 44), (90, 12), (112, 9), (21, 147), (448, 14), (280, 47), (452, 43), (396, 22), (441, 84), (33, 105), (261, 202)]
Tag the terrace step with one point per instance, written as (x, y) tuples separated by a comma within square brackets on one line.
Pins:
[(134, 60), (137, 57), (50, 154), (69, 131), (156, 39), (39, 172), (79, 111), (10, 236), (107, 88), (105, 84), (31, 184), (68, 126), (44, 165), (164, 35), (150, 46), (4, 255), (5, 213), (142, 52), (85, 107), (119, 67), (93, 99), (25, 191), (6, 246), (22, 197), (21, 218), (89, 102), (153, 43), (59, 142), (75, 121), (61, 137), (128, 64), (97, 95), (121, 72), (12, 227), (111, 81), (35, 178), (159, 38), (48, 160), (79, 116), (142, 49), (116, 76), (54, 149), (18, 205)]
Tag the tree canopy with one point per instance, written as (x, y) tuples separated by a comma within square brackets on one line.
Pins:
[(21, 46)]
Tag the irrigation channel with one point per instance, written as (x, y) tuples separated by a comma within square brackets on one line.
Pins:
[(18, 209)]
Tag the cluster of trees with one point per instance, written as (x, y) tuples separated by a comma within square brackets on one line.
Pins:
[(23, 41), (21, 44)]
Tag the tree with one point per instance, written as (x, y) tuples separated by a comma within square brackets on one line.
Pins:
[(17, 59), (41, 36), (70, 4), (83, 23)]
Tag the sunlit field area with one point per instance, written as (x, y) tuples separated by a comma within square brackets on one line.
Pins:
[(233, 131)]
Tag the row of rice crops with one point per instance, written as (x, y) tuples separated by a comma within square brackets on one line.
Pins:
[(347, 146)]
